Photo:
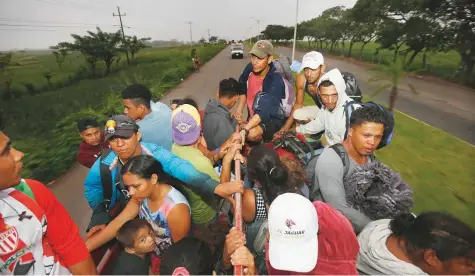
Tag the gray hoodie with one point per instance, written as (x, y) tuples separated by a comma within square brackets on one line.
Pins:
[(375, 258), (218, 124)]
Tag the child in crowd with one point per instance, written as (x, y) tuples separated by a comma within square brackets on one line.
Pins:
[(93, 142), (138, 239)]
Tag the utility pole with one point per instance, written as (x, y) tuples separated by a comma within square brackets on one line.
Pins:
[(191, 34), (295, 30), (249, 32), (209, 36), (123, 34), (258, 23)]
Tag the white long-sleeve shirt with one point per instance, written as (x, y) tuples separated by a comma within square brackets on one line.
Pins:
[(332, 122)]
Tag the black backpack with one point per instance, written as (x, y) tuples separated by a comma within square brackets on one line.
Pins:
[(106, 178), (388, 124), (352, 88)]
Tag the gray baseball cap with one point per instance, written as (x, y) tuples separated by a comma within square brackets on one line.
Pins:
[(262, 49), (120, 125)]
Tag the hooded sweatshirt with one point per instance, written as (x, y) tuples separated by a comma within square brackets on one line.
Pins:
[(332, 122), (156, 126), (218, 124), (375, 258)]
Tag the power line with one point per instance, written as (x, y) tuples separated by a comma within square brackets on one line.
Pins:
[(9, 20), (28, 30), (71, 5), (44, 26)]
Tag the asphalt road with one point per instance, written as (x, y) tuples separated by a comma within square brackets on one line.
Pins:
[(446, 106)]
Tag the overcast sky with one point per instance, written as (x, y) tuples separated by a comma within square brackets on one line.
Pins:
[(37, 24)]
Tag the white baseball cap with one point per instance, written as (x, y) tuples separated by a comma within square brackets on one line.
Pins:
[(293, 229), (312, 60)]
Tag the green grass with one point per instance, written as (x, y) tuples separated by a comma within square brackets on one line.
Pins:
[(30, 67), (44, 126), (440, 64), (438, 166)]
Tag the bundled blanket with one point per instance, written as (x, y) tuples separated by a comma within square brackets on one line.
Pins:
[(377, 191)]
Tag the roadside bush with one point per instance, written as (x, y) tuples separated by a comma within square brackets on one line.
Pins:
[(30, 87)]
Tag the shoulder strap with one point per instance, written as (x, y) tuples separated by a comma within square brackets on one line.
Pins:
[(106, 178), (345, 159)]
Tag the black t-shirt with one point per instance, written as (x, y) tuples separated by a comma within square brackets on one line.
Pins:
[(131, 264)]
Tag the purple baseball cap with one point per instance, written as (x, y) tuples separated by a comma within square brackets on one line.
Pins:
[(186, 125)]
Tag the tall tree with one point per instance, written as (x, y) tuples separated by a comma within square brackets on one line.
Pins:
[(392, 36), (60, 57), (106, 46), (136, 45), (95, 47), (332, 24), (459, 17)]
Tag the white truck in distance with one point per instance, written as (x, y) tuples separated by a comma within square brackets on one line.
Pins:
[(237, 51)]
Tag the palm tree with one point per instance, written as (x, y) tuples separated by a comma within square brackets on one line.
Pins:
[(391, 76)]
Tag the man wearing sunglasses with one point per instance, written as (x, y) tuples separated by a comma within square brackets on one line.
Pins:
[(104, 189)]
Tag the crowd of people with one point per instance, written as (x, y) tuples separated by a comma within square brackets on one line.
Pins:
[(162, 180)]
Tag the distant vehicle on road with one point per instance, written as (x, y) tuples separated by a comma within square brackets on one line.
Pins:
[(237, 51)]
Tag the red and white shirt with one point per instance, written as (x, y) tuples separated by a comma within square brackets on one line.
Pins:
[(37, 235)]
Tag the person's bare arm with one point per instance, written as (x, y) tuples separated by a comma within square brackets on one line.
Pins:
[(226, 169), (248, 206), (299, 97), (179, 222), (240, 107), (254, 122), (130, 212), (228, 161)]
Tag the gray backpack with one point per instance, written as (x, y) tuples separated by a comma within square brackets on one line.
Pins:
[(282, 65), (312, 163)]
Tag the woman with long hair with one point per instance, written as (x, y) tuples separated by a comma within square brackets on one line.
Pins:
[(151, 198), (431, 243), (269, 177)]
